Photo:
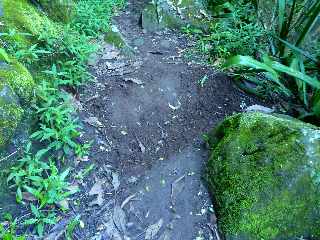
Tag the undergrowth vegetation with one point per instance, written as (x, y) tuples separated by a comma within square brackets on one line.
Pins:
[(271, 47), (58, 63)]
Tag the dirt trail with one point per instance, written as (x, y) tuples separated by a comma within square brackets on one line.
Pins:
[(146, 115)]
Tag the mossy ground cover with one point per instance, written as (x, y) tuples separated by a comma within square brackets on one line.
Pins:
[(46, 55), (264, 176)]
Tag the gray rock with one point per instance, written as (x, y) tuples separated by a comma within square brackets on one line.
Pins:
[(8, 96), (138, 42), (115, 38), (174, 14), (165, 44), (259, 108), (149, 18)]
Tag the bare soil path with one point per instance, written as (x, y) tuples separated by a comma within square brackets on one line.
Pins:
[(146, 115)]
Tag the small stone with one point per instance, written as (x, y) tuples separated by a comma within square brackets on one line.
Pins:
[(132, 179), (138, 42), (165, 44)]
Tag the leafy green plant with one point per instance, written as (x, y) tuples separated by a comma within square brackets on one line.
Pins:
[(61, 59), (30, 55), (29, 168), (85, 172), (4, 56), (52, 188), (75, 74), (293, 71), (83, 150), (57, 125), (226, 39), (232, 30), (192, 31), (293, 15), (93, 16), (39, 178), (74, 222), (8, 230), (40, 219)]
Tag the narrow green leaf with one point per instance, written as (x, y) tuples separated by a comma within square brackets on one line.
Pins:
[(313, 15), (296, 74), (281, 13), (4, 55), (49, 221), (298, 50), (40, 229), (65, 174), (250, 62), (30, 221), (316, 103), (19, 195)]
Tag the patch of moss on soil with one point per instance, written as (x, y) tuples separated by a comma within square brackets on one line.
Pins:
[(264, 174)]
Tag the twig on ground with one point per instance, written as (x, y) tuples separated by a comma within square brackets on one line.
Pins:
[(12, 154)]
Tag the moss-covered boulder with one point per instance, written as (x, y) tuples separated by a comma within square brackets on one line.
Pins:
[(16, 88), (10, 113), (264, 175), (174, 14), (61, 10), (27, 21), (15, 75)]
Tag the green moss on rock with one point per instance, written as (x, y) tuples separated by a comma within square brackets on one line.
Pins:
[(23, 17), (18, 78), (264, 174), (61, 10), (10, 113), (16, 87)]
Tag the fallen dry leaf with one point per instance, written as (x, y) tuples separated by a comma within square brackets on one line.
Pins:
[(94, 121), (165, 236), (176, 188), (175, 107), (64, 204), (115, 181), (119, 218), (28, 196), (112, 231), (127, 200), (82, 159), (141, 146), (97, 189), (110, 55), (73, 188), (153, 230), (134, 80)]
